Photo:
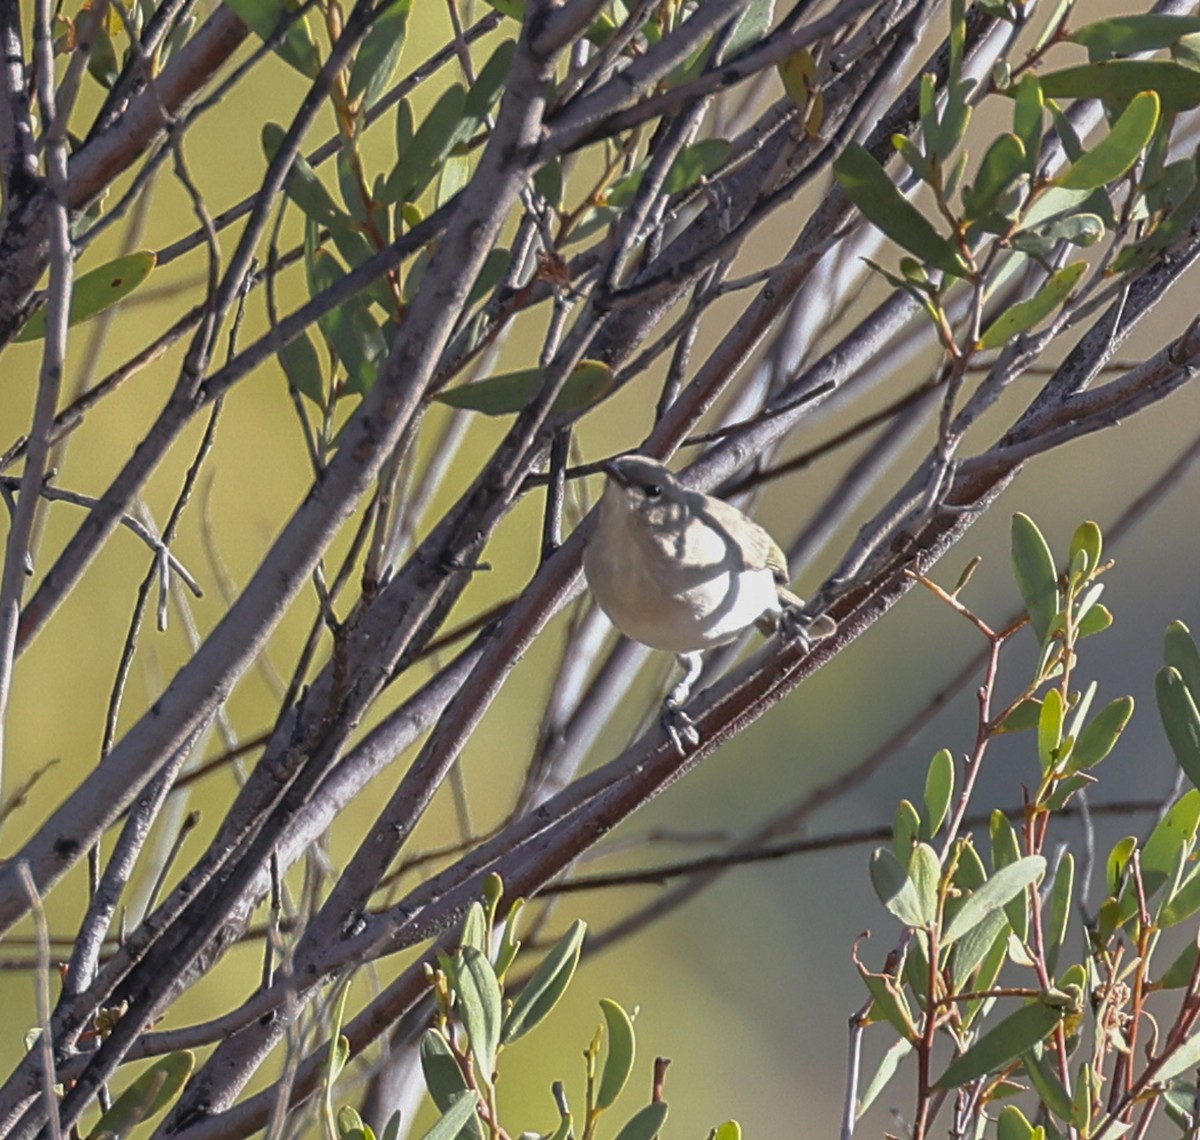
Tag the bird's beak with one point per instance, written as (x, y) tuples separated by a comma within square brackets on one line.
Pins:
[(616, 472)]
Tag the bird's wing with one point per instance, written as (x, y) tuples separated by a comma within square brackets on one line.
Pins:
[(759, 550)]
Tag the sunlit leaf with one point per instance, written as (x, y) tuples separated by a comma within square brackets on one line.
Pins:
[(1119, 150), (509, 392), (1024, 315), (1008, 1039), (96, 290), (873, 192)]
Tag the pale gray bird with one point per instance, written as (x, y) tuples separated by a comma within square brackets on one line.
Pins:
[(679, 570)]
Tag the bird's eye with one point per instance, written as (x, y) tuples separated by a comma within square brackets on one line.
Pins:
[(653, 490)]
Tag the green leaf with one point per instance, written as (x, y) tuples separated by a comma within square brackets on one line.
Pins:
[(1128, 35), (1184, 1058), (867, 185), (102, 62), (1182, 904), (1050, 727), (153, 1090), (888, 1068), (489, 83), (549, 980), (482, 1010), (1099, 738), (1006, 851), (1180, 972), (475, 928), (1179, 651), (1058, 913), (895, 889), (906, 831), (1036, 577), (1119, 150), (1024, 315), (1089, 541), (350, 1125), (1018, 1032), (302, 367), (1012, 1125), (730, 1130), (939, 790), (1173, 834), (1118, 81), (695, 162), (754, 24), (297, 48), (925, 870), (1043, 1078), (445, 1081), (1117, 862), (1040, 241), (446, 125), (96, 290), (1097, 620), (618, 1060), (645, 1124), (1023, 716), (1029, 108), (1181, 720), (379, 53), (302, 185), (353, 332), (995, 894), (1003, 163), (889, 1002), (509, 392), (456, 1116)]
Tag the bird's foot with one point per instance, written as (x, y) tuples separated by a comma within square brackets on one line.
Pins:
[(796, 624), (679, 727)]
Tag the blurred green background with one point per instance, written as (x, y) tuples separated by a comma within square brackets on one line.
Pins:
[(748, 988)]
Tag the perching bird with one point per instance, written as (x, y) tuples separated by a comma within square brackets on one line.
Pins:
[(679, 570)]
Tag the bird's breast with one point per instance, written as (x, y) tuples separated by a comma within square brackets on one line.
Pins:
[(670, 591)]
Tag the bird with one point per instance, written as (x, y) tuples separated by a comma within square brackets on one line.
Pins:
[(681, 571)]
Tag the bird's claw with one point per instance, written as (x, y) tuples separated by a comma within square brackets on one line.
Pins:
[(679, 727), (796, 624)]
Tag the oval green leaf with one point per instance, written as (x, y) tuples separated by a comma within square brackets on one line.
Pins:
[(906, 831), (455, 1118), (1018, 1032), (550, 979), (1119, 150), (482, 1009), (379, 53), (1100, 736), (1003, 163), (995, 894), (156, 1088), (1127, 35), (1179, 651), (445, 1080), (1180, 719), (1050, 727), (302, 185), (867, 185), (645, 1124), (509, 392), (1036, 577), (1117, 81), (618, 1060), (96, 290), (939, 790), (1024, 315)]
